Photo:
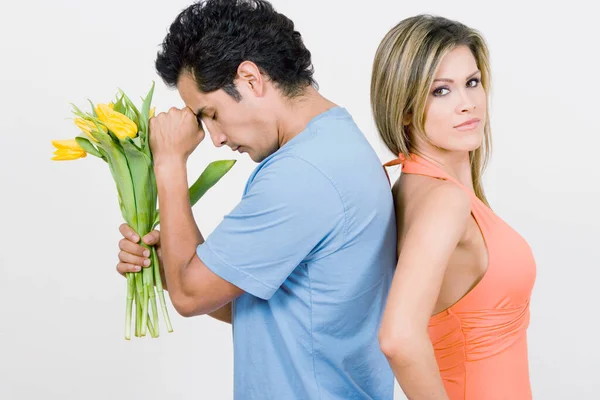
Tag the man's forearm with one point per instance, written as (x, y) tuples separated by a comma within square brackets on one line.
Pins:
[(180, 235), (223, 314)]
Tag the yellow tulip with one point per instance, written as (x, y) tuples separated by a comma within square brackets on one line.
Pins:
[(87, 127), (67, 150), (151, 114), (118, 123)]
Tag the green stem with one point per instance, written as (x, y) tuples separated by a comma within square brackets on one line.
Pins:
[(138, 314), (145, 310), (129, 305), (159, 289), (154, 309), (151, 327), (139, 288), (148, 286)]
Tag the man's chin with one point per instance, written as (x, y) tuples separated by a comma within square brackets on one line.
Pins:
[(256, 158)]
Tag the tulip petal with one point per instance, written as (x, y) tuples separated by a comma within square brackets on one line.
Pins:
[(66, 144), (66, 154), (116, 122), (67, 150)]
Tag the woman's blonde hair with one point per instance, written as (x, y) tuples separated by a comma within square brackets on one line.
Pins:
[(403, 72)]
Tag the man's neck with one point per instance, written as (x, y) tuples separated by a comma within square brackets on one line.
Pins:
[(297, 112)]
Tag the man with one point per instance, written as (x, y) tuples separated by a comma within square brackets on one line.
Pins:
[(303, 264)]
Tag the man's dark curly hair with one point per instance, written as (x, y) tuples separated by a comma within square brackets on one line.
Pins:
[(211, 38)]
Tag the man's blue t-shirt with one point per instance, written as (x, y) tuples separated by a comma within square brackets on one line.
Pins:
[(313, 245)]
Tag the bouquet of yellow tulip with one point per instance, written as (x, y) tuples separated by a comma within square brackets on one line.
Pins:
[(118, 133)]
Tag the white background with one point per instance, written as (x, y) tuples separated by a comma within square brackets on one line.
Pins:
[(62, 303)]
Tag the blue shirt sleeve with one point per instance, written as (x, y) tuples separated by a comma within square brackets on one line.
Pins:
[(288, 211)]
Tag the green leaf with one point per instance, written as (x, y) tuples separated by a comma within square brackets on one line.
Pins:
[(136, 140), (143, 125), (146, 105), (88, 146), (133, 143), (128, 102), (119, 105), (124, 106), (79, 113), (144, 186), (119, 168), (104, 153), (132, 116), (147, 101), (93, 109), (131, 110), (209, 177)]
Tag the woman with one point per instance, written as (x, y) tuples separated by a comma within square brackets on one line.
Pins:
[(456, 317)]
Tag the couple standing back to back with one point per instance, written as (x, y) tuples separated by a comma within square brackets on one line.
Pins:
[(334, 283)]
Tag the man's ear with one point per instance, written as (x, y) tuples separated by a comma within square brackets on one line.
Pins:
[(249, 78)]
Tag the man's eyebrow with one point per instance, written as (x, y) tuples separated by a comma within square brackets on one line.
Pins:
[(200, 112)]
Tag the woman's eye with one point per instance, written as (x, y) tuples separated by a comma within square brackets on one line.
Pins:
[(473, 82), (441, 91)]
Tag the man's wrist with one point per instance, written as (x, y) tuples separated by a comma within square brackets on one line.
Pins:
[(169, 166)]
